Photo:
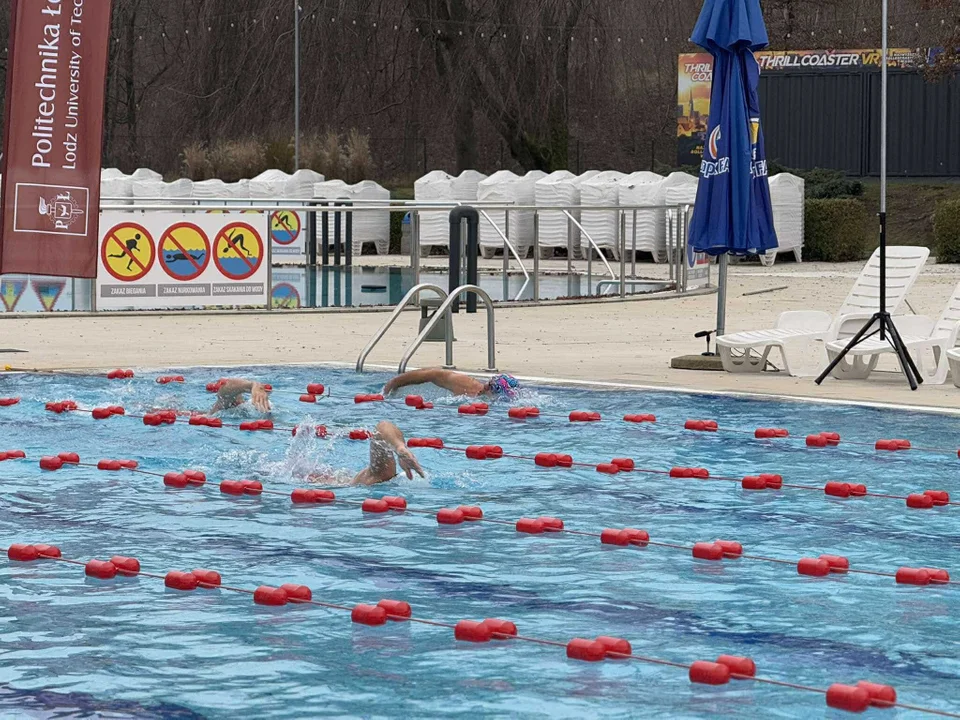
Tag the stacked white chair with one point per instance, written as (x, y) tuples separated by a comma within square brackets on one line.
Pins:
[(178, 192), (146, 184), (787, 197), (466, 185), (555, 190), (526, 197), (678, 189), (500, 188), (645, 188), (371, 226), (435, 187), (300, 185), (269, 185), (602, 190), (115, 188), (330, 190), (214, 189)]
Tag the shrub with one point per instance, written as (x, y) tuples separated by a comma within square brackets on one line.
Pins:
[(836, 230), (280, 154), (946, 232), (233, 160), (196, 162), (359, 159)]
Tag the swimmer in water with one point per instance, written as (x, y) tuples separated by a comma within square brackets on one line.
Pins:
[(505, 386), (231, 394), (388, 449)]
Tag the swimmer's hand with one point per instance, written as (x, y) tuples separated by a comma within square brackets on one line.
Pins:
[(408, 461), (391, 386), (259, 397)]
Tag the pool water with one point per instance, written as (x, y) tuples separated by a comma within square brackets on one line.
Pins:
[(361, 286), (78, 647)]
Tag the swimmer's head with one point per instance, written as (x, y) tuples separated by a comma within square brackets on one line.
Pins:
[(504, 386)]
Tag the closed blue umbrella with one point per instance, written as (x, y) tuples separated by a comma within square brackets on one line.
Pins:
[(733, 212)]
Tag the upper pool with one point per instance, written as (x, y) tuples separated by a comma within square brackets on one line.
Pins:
[(128, 647)]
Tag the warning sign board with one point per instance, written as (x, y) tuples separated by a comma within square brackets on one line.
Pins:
[(285, 297), (48, 292), (127, 251), (184, 251), (182, 274), (238, 251), (11, 290), (284, 227)]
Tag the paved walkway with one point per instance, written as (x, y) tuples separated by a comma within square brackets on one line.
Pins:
[(622, 342)]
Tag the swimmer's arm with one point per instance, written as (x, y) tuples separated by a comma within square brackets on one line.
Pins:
[(231, 394), (457, 383), (383, 465)]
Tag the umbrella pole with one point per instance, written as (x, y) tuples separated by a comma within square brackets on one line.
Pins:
[(882, 323), (722, 296)]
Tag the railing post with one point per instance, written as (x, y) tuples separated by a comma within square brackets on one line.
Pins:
[(622, 245), (536, 256), (325, 234), (349, 233), (337, 232)]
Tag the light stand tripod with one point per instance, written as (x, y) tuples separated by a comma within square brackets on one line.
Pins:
[(882, 321)]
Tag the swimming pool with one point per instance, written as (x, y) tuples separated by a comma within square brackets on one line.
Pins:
[(130, 646)]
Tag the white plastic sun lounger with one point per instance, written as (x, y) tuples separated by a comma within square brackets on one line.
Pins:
[(745, 352), (953, 359), (919, 333)]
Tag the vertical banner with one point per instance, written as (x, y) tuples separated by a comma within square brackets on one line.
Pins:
[(56, 75)]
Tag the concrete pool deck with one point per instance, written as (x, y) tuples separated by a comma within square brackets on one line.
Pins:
[(628, 342)]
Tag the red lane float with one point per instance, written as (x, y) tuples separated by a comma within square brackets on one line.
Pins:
[(12, 455), (584, 417), (168, 379), (770, 433), (360, 435), (119, 374), (126, 565), (9, 402), (741, 668), (51, 463), (940, 497), (919, 502), (709, 673), (450, 516), (837, 563), (624, 537), (435, 443), (484, 452), (213, 387), (177, 580), (207, 578), (640, 418), (701, 425), (813, 567), (551, 460), (271, 596), (361, 399), (256, 425), (315, 389), (375, 505), (308, 398), (848, 697), (695, 473), (102, 569), (472, 631), (397, 610), (608, 468), (369, 615), (530, 526), (471, 513), (474, 409), (522, 413), (893, 445), (314, 497), (625, 464), (586, 650), (707, 551)]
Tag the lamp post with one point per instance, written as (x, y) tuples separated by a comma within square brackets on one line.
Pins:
[(296, 85)]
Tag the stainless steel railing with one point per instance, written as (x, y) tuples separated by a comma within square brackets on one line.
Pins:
[(445, 314), (412, 296)]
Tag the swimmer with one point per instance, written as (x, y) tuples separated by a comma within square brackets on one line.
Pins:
[(459, 384), (231, 394), (387, 442)]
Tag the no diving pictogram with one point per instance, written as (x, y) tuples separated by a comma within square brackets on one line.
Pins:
[(127, 252), (285, 227), (184, 251), (238, 251)]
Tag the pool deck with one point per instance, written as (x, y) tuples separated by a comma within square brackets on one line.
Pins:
[(628, 342)]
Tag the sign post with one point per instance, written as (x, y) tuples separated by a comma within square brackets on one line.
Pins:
[(56, 76)]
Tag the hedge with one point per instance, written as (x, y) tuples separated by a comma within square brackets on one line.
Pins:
[(946, 232), (836, 231)]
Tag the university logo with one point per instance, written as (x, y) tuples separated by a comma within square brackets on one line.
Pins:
[(62, 210)]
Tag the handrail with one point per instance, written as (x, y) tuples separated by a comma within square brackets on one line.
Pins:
[(593, 244), (444, 312), (513, 250), (393, 317)]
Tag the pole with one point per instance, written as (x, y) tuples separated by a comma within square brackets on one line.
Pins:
[(722, 296), (296, 85), (883, 168)]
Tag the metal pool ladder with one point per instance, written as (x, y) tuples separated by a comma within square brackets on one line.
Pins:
[(445, 314)]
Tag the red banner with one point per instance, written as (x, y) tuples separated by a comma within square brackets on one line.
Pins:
[(56, 74)]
